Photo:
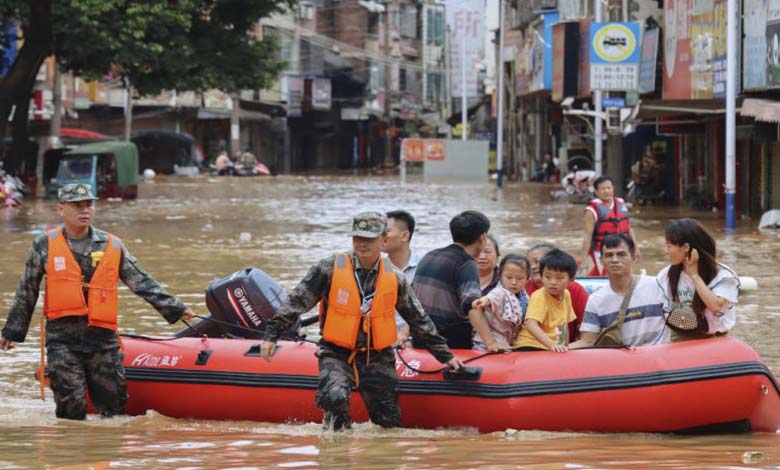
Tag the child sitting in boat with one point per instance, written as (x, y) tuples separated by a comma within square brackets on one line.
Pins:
[(549, 308), (501, 312)]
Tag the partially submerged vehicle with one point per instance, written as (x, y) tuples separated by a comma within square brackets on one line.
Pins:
[(110, 167), (168, 152)]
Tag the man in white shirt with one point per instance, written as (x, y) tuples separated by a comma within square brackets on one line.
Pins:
[(644, 319), (400, 228)]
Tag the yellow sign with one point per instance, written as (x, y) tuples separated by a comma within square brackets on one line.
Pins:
[(614, 43), (457, 130)]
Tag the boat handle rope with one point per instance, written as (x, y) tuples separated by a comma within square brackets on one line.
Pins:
[(220, 323), (398, 350)]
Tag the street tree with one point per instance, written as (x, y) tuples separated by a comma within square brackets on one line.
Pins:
[(191, 45)]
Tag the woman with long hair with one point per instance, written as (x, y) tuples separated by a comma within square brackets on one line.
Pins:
[(698, 293)]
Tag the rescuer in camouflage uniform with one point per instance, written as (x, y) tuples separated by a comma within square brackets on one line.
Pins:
[(80, 356), (378, 381)]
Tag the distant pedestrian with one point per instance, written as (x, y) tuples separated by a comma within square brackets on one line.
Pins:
[(82, 266)]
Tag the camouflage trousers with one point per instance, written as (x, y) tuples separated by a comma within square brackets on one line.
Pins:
[(378, 385), (74, 373)]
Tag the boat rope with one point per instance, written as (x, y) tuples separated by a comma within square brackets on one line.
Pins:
[(440, 369)]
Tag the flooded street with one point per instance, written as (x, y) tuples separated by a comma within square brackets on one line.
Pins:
[(188, 231)]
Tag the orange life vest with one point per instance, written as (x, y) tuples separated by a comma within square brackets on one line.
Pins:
[(610, 219), (343, 316), (64, 284)]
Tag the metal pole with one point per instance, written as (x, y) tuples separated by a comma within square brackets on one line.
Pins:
[(463, 111), (388, 85), (731, 98), (597, 144), (500, 116)]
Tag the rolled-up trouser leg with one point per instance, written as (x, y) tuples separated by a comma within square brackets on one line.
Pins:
[(334, 390), (65, 369), (106, 382), (379, 388)]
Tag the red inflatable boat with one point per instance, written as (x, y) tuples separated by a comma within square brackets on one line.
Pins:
[(716, 384)]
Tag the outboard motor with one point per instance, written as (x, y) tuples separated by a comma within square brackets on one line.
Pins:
[(246, 299)]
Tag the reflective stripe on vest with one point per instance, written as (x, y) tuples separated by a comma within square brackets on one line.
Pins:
[(343, 316), (609, 220), (64, 283)]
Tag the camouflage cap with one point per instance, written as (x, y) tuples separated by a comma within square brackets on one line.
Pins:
[(369, 225), (76, 192)]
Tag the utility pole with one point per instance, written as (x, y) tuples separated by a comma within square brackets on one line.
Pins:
[(598, 108), (388, 86), (56, 97), (500, 117), (463, 98), (448, 77), (128, 108), (731, 92), (235, 123)]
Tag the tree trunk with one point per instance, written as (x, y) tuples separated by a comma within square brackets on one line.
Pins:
[(17, 85)]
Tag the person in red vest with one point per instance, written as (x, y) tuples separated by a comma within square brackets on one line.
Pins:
[(606, 214), (82, 266), (359, 293)]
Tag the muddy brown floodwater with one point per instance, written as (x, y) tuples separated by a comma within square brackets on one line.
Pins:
[(188, 231)]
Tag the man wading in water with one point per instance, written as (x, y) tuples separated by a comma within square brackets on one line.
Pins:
[(360, 293)]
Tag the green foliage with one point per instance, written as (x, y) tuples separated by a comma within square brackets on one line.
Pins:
[(165, 44)]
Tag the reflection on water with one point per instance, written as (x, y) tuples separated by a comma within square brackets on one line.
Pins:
[(187, 231)]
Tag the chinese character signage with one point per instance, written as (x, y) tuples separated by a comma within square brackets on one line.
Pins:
[(614, 55), (755, 45), (773, 44), (466, 21), (418, 150), (541, 52), (677, 50), (695, 49), (649, 56)]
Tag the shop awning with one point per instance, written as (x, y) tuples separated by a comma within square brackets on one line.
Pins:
[(666, 108), (244, 115), (761, 110)]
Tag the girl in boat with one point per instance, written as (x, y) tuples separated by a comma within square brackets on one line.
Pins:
[(697, 292), (502, 310)]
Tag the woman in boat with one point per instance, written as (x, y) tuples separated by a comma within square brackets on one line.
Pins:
[(697, 292), (487, 262)]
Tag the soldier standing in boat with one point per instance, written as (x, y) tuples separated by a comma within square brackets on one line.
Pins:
[(82, 266), (359, 294)]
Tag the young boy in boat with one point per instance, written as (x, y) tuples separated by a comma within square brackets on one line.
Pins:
[(359, 294), (502, 310), (549, 308)]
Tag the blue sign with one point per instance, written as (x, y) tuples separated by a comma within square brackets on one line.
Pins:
[(613, 102), (542, 54), (615, 55), (615, 43)]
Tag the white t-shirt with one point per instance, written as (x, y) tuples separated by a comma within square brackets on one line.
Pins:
[(644, 324), (409, 271), (725, 285)]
